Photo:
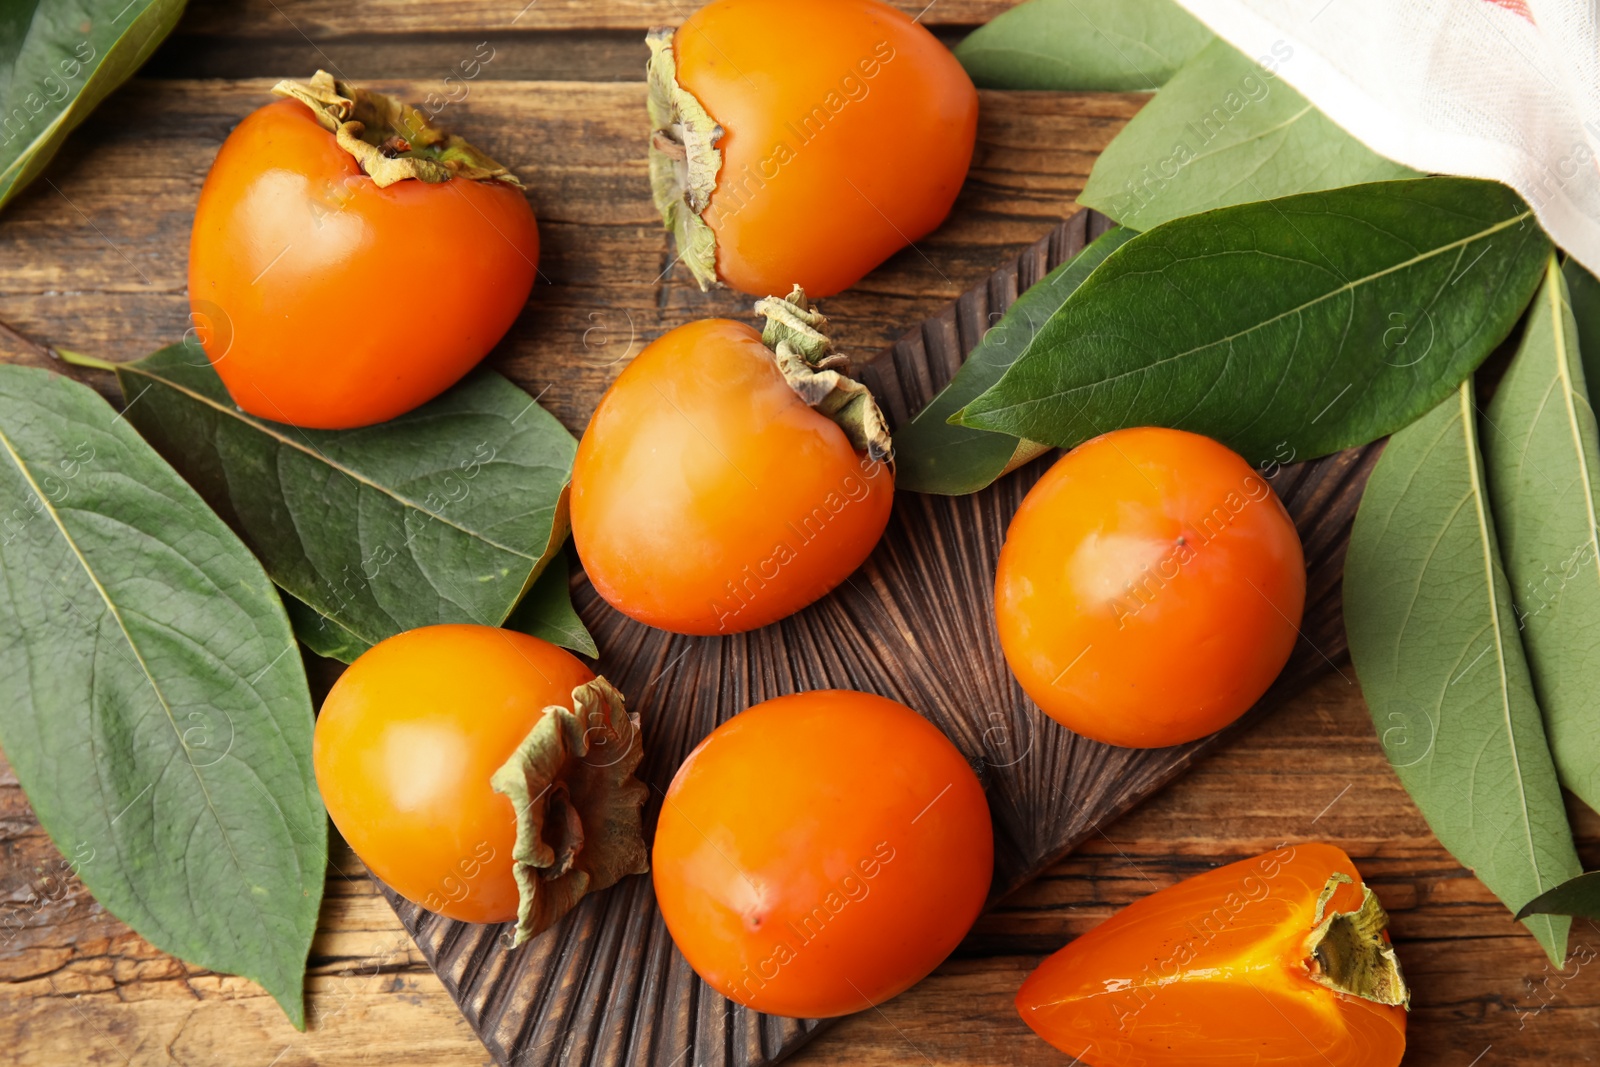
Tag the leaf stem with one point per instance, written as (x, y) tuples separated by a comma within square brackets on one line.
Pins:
[(78, 359)]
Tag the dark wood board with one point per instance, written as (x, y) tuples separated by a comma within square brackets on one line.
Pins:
[(915, 623)]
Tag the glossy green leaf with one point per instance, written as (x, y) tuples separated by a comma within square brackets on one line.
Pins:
[(446, 514), (1082, 44), (58, 60), (1433, 637), (1542, 450), (1287, 328), (547, 611), (152, 699), (1224, 131), (1578, 897), (933, 456)]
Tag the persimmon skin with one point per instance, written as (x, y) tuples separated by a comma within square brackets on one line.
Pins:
[(1150, 588), (707, 498), (827, 169), (1134, 990), (404, 747), (821, 852), (326, 302)]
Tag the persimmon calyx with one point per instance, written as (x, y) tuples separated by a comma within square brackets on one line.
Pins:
[(392, 141), (812, 368), (1347, 951), (684, 159), (577, 801)]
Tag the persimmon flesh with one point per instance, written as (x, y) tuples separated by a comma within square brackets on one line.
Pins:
[(1221, 970)]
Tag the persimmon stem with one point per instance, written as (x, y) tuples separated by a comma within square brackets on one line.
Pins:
[(1348, 952), (572, 785), (392, 141), (815, 372)]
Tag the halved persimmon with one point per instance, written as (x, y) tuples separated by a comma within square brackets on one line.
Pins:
[(1278, 961)]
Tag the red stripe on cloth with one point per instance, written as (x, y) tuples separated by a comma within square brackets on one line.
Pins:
[(1519, 7)]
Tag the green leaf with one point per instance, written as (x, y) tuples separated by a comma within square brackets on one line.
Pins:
[(1578, 897), (1542, 450), (1434, 641), (547, 611), (1583, 291), (933, 456), (1224, 131), (1288, 328), (60, 59), (321, 634), (446, 514), (1082, 44), (152, 699)]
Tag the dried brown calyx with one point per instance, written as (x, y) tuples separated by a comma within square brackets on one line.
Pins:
[(1347, 950), (684, 160), (577, 802), (392, 141), (809, 364)]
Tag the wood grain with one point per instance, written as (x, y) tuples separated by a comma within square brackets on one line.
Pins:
[(318, 19), (78, 987)]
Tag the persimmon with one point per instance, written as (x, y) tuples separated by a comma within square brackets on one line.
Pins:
[(349, 262), (484, 774), (728, 478), (821, 852), (1282, 961), (803, 142), (1150, 588)]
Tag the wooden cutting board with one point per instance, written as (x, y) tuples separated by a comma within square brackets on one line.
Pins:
[(915, 623)]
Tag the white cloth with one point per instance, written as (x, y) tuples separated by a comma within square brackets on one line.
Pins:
[(1501, 89)]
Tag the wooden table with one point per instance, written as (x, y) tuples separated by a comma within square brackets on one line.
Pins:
[(93, 257)]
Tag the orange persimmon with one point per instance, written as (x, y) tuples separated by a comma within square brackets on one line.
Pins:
[(803, 142), (412, 750), (709, 496), (348, 262), (1279, 961), (1150, 588), (820, 852)]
